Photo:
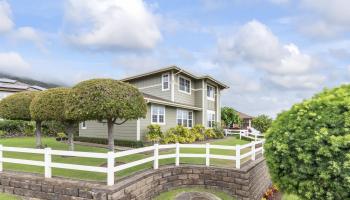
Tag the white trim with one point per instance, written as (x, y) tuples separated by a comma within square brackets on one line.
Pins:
[(138, 130), (210, 98), (218, 105), (160, 123), (203, 106), (83, 125), (172, 104), (188, 112), (168, 74), (172, 87), (189, 85), (210, 112)]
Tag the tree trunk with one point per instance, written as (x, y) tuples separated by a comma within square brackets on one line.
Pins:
[(110, 125), (38, 134), (70, 130)]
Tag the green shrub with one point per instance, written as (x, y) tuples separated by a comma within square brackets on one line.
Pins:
[(61, 136), (262, 123), (179, 134), (307, 147), (2, 133), (199, 132), (219, 131), (209, 134), (51, 128), (123, 143), (17, 128), (154, 133)]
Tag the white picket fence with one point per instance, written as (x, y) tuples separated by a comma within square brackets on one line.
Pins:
[(111, 157)]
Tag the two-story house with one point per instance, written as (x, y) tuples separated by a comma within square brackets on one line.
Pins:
[(174, 97)]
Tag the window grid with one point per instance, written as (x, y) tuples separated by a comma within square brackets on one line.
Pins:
[(165, 82), (184, 85), (158, 114), (184, 118), (211, 119)]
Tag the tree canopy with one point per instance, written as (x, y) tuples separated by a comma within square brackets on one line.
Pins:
[(101, 99), (16, 106), (308, 147), (262, 123), (229, 116), (49, 105)]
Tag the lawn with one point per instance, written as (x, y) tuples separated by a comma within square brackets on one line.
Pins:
[(8, 197), (29, 142), (170, 195)]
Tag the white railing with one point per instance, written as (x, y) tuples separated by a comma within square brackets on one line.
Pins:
[(111, 169), (243, 133)]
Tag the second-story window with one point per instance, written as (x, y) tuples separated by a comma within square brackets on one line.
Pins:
[(158, 114), (184, 85), (165, 81), (184, 118), (210, 92)]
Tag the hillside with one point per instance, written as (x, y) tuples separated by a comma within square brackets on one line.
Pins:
[(29, 81)]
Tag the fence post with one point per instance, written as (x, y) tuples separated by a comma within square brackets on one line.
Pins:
[(110, 168), (207, 154), (48, 159), (1, 168), (253, 150), (238, 156), (156, 155), (240, 135), (177, 158)]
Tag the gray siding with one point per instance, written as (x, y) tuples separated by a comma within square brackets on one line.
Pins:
[(181, 97), (152, 85), (126, 131)]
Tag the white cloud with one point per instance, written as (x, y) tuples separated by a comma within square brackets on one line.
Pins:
[(111, 24), (13, 63), (255, 45), (29, 34), (6, 23)]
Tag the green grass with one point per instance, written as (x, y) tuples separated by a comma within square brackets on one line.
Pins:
[(29, 142), (290, 197), (8, 197), (170, 195)]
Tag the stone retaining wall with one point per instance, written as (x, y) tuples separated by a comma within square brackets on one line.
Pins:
[(247, 183)]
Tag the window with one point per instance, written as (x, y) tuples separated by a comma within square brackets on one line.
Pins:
[(211, 118), (165, 82), (158, 114), (184, 118), (184, 85), (83, 125), (210, 92)]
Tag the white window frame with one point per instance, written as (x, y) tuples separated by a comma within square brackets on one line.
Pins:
[(211, 114), (83, 125), (190, 86), (182, 118), (158, 114), (211, 98), (165, 74)]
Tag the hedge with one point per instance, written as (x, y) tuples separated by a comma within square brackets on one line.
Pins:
[(123, 143)]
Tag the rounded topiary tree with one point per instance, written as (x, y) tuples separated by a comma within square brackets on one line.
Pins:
[(262, 123), (16, 107), (229, 116), (308, 147), (106, 100), (49, 105)]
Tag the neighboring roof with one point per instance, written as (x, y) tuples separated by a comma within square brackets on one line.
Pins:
[(244, 116), (222, 85), (16, 86), (153, 99)]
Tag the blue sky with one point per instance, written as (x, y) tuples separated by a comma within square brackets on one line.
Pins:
[(272, 53)]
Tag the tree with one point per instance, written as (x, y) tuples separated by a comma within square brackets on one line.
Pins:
[(307, 147), (230, 116), (106, 100), (262, 123), (49, 105), (16, 107)]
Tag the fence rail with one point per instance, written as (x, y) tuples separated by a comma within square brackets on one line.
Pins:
[(111, 157)]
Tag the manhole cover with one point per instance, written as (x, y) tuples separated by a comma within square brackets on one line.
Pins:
[(196, 196)]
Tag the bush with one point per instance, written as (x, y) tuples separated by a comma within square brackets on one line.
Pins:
[(154, 133), (123, 143), (262, 123), (219, 131), (179, 134), (2, 133), (51, 128), (199, 132), (11, 128), (209, 134), (61, 136), (307, 147)]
